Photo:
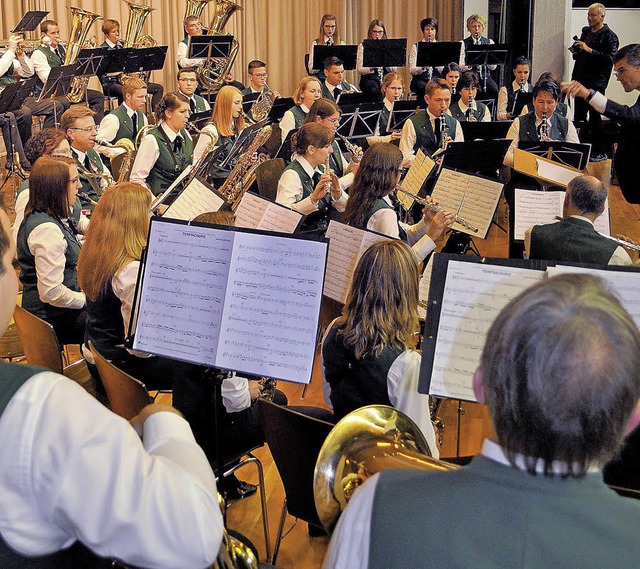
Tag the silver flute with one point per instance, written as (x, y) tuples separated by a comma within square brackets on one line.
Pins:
[(621, 242), (435, 207), (352, 148)]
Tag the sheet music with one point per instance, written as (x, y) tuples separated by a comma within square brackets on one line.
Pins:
[(346, 246), (423, 291), (538, 208), (256, 212), (555, 172), (158, 199), (473, 296), (195, 199), (269, 323), (471, 197), (418, 172)]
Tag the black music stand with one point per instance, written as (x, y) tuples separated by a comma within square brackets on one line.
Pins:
[(360, 121), (402, 111), (200, 119), (206, 47), (487, 54), (570, 154), (280, 106), (89, 60), (285, 151), (437, 54), (144, 59), (13, 96), (248, 101), (521, 100), (346, 53), (491, 130), (355, 99), (384, 53), (58, 84), (30, 21), (242, 143), (481, 157)]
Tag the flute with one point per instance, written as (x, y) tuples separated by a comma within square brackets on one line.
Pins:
[(621, 242), (434, 207)]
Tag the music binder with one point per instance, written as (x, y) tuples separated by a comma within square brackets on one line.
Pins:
[(384, 52), (256, 212), (543, 169), (437, 54), (231, 298), (280, 106)]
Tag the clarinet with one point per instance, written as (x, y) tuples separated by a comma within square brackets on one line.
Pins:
[(472, 107), (544, 127), (444, 132)]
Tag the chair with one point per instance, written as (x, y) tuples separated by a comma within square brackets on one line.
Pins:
[(295, 441), (42, 348), (267, 176)]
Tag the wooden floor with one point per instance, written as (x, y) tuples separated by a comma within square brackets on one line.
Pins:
[(298, 549)]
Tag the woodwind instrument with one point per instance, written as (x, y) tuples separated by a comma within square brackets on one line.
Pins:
[(352, 148), (327, 186), (544, 127), (444, 132), (435, 207)]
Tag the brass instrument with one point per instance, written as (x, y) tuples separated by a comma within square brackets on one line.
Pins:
[(24, 46), (138, 13), (233, 554), (544, 127), (195, 169), (141, 134), (262, 105), (434, 207), (244, 172), (194, 8), (364, 442), (351, 148), (82, 21), (126, 163)]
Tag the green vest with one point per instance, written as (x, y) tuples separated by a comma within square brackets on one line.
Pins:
[(335, 160), (77, 206), (200, 104), (460, 116), (168, 166), (7, 78), (529, 132), (52, 59), (299, 116), (317, 221), (125, 129), (91, 189), (425, 137)]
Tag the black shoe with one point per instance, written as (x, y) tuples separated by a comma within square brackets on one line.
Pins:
[(239, 491), (598, 157)]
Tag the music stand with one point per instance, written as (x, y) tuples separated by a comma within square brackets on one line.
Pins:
[(58, 84), (355, 98), (285, 151), (491, 130), (402, 111), (384, 53), (200, 119), (89, 60), (30, 21), (144, 59), (206, 47), (11, 99), (574, 155), (242, 143), (248, 100), (475, 156), (360, 121), (522, 99), (437, 54), (280, 106), (112, 60), (346, 53), (485, 55)]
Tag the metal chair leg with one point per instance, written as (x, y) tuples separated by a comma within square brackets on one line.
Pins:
[(283, 517)]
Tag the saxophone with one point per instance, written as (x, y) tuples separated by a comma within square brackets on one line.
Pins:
[(82, 21), (244, 172)]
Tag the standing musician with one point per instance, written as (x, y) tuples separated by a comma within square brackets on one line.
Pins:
[(79, 125), (467, 108), (371, 77), (334, 83), (51, 54), (422, 75), (111, 83), (507, 94), (476, 24), (392, 90), (327, 114), (370, 206), (307, 92), (329, 35), (187, 86), (167, 149), (423, 130), (307, 187), (226, 123)]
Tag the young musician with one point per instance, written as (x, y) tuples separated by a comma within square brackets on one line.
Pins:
[(467, 108), (422, 75), (167, 149), (226, 123), (307, 92), (370, 207), (188, 86), (334, 84), (451, 74), (48, 249), (392, 90), (368, 353), (520, 84), (306, 187), (257, 71), (371, 77), (329, 35), (477, 24)]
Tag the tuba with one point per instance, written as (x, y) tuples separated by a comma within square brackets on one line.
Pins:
[(82, 21), (194, 8), (364, 442), (138, 14)]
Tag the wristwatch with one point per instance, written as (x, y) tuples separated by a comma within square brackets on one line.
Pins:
[(591, 95)]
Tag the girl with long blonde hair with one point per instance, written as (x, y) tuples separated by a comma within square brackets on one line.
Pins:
[(307, 92)]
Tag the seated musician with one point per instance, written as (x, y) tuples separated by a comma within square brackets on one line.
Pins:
[(188, 86), (562, 108), (575, 239), (112, 82), (328, 35), (257, 71), (423, 130), (167, 149), (451, 74), (476, 25), (559, 373), (50, 53), (334, 84), (305, 185), (307, 92), (368, 353), (392, 90), (467, 108), (227, 122), (420, 76), (370, 206), (48, 249), (327, 113), (371, 77), (520, 84), (79, 125)]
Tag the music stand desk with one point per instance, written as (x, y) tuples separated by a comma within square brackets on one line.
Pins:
[(204, 47), (346, 53), (527, 163), (30, 21)]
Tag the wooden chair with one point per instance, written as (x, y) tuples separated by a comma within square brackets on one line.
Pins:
[(267, 176)]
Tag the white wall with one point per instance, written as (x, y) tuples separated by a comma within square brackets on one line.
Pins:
[(473, 7)]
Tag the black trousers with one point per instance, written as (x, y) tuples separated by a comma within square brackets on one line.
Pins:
[(593, 131)]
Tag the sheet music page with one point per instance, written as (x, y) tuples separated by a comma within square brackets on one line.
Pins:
[(250, 211), (624, 284), (195, 199), (256, 212), (535, 208), (269, 322), (603, 223), (473, 296), (346, 246), (183, 292), (472, 198), (555, 172), (420, 168), (158, 199), (423, 291)]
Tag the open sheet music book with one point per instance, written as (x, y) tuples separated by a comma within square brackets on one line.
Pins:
[(470, 196), (417, 174), (346, 246), (196, 198), (231, 298), (255, 212), (538, 208), (466, 295)]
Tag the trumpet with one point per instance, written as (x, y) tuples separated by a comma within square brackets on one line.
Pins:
[(435, 207), (352, 148)]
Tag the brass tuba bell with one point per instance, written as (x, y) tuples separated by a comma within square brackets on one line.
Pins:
[(138, 13)]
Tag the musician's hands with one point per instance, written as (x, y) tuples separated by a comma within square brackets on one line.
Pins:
[(354, 158), (396, 135), (574, 89), (255, 389), (427, 213), (322, 187), (228, 78), (440, 224), (12, 44), (336, 190)]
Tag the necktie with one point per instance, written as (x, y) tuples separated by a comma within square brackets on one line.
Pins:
[(329, 41), (177, 144), (134, 119), (192, 106), (336, 92), (87, 163)]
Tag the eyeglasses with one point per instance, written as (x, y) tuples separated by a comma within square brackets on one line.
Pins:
[(334, 121), (189, 80), (622, 71), (85, 129), (260, 75), (377, 31), (74, 180), (326, 27)]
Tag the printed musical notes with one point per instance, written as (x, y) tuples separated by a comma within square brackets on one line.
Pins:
[(195, 199), (346, 246), (473, 198), (241, 301), (255, 212), (419, 171)]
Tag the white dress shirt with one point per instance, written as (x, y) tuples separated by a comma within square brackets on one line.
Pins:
[(503, 99), (41, 64), (72, 470), (208, 134), (183, 60), (22, 65), (288, 121)]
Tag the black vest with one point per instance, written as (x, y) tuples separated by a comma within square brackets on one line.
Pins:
[(384, 121), (217, 174), (529, 132), (355, 383), (315, 222), (425, 137), (105, 327), (571, 240)]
